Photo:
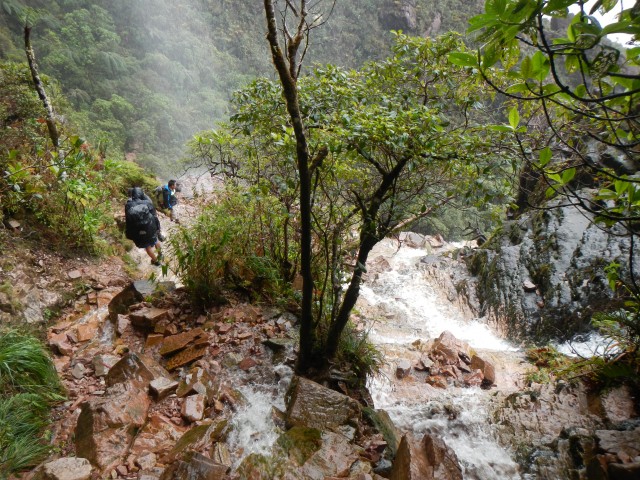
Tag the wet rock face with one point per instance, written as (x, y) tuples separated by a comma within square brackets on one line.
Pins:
[(310, 404), (566, 433), (545, 274), (429, 459)]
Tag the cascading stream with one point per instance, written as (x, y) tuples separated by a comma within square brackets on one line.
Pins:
[(403, 310)]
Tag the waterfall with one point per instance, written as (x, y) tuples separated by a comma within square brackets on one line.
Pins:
[(403, 311)]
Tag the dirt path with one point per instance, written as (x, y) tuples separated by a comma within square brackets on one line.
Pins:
[(196, 190)]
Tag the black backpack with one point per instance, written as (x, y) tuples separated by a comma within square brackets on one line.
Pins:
[(159, 196), (141, 223)]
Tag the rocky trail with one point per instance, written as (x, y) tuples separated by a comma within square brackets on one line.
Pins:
[(158, 390)]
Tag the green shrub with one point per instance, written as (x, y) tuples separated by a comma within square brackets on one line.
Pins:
[(235, 243), (357, 353), (29, 387)]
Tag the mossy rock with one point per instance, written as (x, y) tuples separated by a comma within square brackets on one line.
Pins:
[(300, 443), (261, 467), (382, 422)]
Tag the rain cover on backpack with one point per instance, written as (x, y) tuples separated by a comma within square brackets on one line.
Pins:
[(141, 223)]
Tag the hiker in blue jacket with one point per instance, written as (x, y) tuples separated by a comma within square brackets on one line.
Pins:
[(170, 201)]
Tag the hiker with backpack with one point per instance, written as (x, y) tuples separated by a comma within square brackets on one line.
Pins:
[(143, 225), (168, 201)]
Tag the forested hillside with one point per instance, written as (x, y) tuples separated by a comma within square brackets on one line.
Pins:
[(142, 77)]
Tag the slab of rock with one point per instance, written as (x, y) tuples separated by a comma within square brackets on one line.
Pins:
[(186, 356), (618, 404), (177, 342), (106, 426), (74, 274), (429, 459), (147, 318), (153, 340), (135, 368), (193, 407), (147, 461), (78, 371), (159, 436), (67, 468), (162, 387), (86, 331), (224, 328), (60, 342), (102, 363), (309, 404)]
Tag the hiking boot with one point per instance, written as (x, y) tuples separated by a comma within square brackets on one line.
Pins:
[(156, 262)]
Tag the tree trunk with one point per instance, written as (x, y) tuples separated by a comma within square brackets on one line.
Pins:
[(307, 356), (50, 115)]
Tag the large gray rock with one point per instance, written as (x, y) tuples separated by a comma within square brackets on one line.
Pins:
[(309, 404), (67, 468)]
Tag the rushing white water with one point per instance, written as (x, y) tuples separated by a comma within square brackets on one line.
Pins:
[(254, 430), (590, 345), (404, 308)]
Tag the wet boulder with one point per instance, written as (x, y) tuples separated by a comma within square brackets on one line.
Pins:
[(198, 380), (102, 363), (487, 369), (309, 404), (106, 426), (428, 459), (449, 350)]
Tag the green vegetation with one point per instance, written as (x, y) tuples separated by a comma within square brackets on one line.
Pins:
[(574, 114), (69, 195), (235, 243), (141, 77), (29, 387), (375, 150)]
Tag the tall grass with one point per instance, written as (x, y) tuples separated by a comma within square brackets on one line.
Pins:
[(29, 387)]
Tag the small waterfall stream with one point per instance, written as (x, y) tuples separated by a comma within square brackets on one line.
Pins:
[(403, 310)]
